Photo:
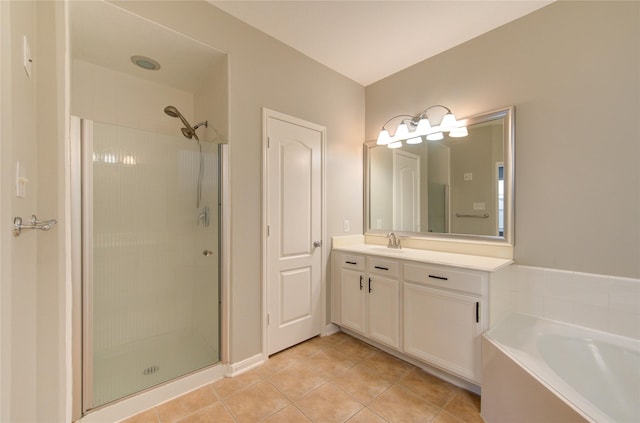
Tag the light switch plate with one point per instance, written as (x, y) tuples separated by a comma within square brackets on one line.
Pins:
[(478, 206), (346, 225), (468, 176), (21, 181)]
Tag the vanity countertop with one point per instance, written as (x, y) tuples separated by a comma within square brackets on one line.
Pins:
[(466, 261)]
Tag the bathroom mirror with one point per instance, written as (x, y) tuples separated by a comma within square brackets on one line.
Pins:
[(456, 188)]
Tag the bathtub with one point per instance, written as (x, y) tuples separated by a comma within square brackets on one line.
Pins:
[(538, 370)]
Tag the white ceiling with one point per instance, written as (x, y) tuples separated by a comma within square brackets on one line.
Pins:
[(370, 40)]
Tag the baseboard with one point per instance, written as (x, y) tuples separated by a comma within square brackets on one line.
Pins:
[(244, 366), (330, 329)]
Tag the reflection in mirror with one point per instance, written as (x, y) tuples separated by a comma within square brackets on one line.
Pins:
[(456, 187)]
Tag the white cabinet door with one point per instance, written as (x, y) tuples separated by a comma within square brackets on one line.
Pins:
[(354, 300), (443, 328), (384, 310)]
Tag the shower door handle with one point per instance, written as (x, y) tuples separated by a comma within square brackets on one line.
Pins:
[(207, 253)]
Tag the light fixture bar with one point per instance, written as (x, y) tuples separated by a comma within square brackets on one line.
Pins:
[(411, 129)]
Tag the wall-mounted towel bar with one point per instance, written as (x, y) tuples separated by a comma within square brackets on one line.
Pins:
[(477, 216), (43, 225)]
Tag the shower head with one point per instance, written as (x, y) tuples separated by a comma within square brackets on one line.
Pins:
[(172, 111), (188, 131)]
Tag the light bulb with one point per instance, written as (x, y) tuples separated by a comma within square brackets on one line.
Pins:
[(383, 137), (416, 140), (436, 136), (423, 127), (402, 133), (459, 132), (448, 122), (395, 144)]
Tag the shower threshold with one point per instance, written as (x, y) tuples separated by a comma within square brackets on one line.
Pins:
[(141, 365)]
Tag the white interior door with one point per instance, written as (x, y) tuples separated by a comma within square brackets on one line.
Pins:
[(294, 225), (406, 191)]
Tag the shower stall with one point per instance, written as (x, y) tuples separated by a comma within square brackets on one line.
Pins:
[(147, 199), (150, 258)]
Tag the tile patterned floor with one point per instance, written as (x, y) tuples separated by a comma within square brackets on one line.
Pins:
[(332, 379)]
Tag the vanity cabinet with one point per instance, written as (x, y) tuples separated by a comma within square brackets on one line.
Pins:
[(370, 298), (443, 319), (383, 293), (353, 297), (432, 313)]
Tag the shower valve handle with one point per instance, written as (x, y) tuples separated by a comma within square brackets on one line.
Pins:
[(207, 253)]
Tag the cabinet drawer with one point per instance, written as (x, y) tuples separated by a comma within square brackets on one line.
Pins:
[(443, 277), (352, 261), (382, 267)]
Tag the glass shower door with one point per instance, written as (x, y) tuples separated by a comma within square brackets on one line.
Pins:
[(151, 260)]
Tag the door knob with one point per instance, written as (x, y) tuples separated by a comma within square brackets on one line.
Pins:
[(317, 244)]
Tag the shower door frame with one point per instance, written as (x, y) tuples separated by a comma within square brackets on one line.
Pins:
[(81, 203)]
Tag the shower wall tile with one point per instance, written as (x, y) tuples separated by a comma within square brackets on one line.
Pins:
[(558, 285), (599, 302), (530, 304), (150, 276), (593, 290), (500, 294), (531, 280), (624, 295)]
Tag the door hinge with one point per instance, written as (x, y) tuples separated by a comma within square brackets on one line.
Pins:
[(268, 142), (268, 319), (268, 230)]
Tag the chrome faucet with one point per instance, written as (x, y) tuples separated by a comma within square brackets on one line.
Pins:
[(394, 241)]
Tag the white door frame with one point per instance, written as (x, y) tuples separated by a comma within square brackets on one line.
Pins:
[(266, 114)]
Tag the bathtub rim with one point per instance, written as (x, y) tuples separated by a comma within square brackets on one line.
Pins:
[(531, 361)]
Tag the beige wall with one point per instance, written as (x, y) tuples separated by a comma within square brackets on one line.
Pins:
[(51, 338), (21, 288), (265, 73), (108, 96), (572, 71), (33, 283)]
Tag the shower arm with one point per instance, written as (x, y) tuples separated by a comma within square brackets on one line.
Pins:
[(198, 125)]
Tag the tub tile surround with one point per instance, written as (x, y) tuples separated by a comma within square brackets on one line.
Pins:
[(600, 302)]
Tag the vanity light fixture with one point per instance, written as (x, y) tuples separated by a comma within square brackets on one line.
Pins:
[(412, 128)]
